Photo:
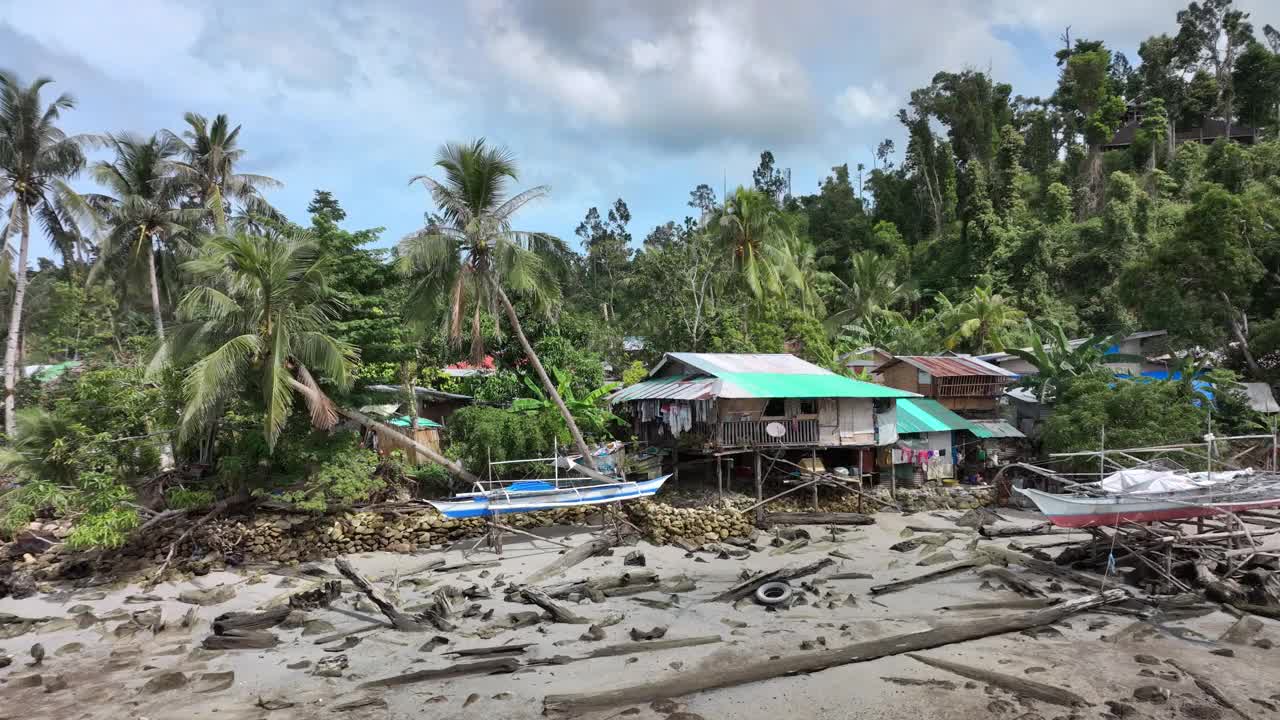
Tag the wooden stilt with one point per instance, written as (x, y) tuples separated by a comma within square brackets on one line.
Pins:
[(759, 490), (719, 478), (813, 458), (675, 465)]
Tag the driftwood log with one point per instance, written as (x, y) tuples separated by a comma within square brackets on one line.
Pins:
[(1044, 567), (993, 531), (249, 621), (818, 518), (1012, 683), (399, 620), (1211, 690), (595, 587), (241, 640), (571, 558), (631, 649), (483, 667), (1019, 604), (1013, 582), (512, 649), (747, 587), (927, 577), (766, 669), (559, 613)]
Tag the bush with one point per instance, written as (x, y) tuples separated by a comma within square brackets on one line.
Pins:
[(478, 435), (320, 470), (1134, 414), (81, 453)]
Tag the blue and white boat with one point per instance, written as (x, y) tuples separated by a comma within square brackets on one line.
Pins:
[(532, 495), (601, 486)]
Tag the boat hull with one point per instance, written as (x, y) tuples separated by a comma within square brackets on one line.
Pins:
[(553, 499), (1084, 512)]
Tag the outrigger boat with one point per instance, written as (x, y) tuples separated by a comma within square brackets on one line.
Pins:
[(1229, 492), (1156, 490), (491, 498)]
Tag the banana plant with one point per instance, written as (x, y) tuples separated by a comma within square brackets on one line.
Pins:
[(1057, 359), (586, 410)]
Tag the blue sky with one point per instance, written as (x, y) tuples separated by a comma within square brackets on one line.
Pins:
[(598, 100)]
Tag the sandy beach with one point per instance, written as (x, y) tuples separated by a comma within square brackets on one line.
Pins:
[(114, 668)]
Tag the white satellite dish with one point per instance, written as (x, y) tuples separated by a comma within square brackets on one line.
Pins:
[(775, 429)]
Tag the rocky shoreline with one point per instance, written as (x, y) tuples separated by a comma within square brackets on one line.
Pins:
[(289, 538)]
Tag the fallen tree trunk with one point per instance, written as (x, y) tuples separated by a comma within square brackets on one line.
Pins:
[(927, 577), (591, 586), (227, 622), (630, 649), (1020, 604), (722, 677), (1259, 610), (1211, 690), (559, 613), (399, 620), (492, 650), (1013, 582), (571, 558), (990, 531), (1012, 683), (483, 667), (818, 518), (747, 587), (454, 467), (1044, 567), (1218, 590)]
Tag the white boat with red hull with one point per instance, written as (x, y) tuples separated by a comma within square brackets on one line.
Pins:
[(1153, 495)]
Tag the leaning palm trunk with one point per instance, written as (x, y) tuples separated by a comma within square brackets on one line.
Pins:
[(15, 325), (453, 466), (550, 387), (155, 289)]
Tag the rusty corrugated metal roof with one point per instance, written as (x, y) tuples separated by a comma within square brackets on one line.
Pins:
[(952, 366)]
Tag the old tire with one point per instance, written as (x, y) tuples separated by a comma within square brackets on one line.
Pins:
[(773, 593)]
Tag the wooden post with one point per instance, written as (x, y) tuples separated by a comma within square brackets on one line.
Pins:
[(759, 490), (719, 479), (675, 465), (813, 459), (861, 485)]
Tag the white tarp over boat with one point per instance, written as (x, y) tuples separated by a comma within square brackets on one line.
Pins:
[(1139, 481)]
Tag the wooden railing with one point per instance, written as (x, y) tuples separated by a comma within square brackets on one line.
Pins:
[(748, 433)]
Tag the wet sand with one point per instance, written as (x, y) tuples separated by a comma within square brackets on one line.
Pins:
[(105, 678)]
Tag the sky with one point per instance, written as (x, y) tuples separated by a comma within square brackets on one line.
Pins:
[(641, 100)]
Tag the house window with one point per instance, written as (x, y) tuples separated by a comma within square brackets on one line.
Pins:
[(809, 407), (923, 378), (776, 407)]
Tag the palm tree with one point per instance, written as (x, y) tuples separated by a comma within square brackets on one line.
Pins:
[(207, 170), (873, 288), (36, 157), (469, 251), (141, 212), (258, 316), (800, 272), (985, 321), (753, 232)]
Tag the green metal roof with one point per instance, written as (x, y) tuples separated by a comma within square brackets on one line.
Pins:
[(998, 429), (403, 421), (921, 415), (748, 375), (794, 385)]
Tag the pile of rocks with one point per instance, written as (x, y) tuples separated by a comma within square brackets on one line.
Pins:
[(662, 523)]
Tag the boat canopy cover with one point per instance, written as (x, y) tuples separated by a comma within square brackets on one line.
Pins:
[(524, 485), (1136, 481)]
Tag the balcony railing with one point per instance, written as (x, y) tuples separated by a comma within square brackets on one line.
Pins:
[(748, 433)]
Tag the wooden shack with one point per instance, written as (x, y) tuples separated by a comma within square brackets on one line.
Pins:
[(961, 383), (720, 401), (427, 433)]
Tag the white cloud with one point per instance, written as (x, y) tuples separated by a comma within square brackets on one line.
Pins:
[(858, 105)]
